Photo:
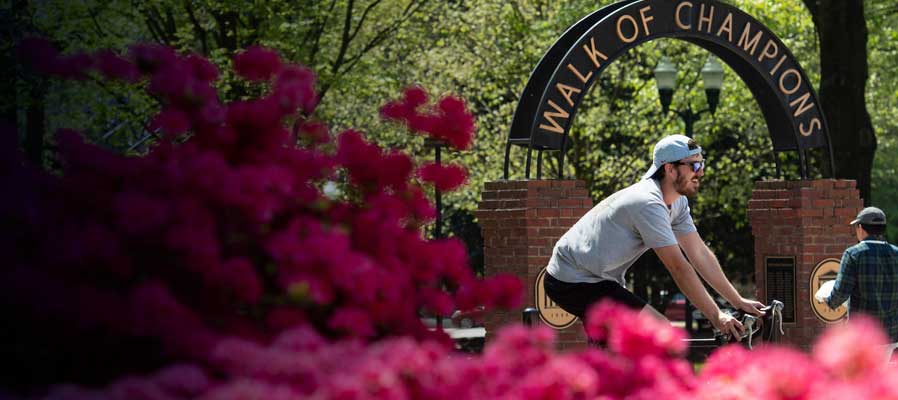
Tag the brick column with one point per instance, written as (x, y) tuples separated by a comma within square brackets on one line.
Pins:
[(521, 221), (807, 220)]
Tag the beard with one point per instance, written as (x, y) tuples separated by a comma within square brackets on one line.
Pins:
[(683, 187)]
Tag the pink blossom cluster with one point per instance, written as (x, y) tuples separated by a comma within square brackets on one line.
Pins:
[(221, 230), (448, 121), (521, 363)]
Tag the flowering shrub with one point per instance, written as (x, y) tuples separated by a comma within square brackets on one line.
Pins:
[(518, 364), (214, 267), (222, 231)]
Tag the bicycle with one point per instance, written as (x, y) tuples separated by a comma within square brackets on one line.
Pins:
[(766, 328)]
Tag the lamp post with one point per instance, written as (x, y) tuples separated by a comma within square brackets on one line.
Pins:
[(666, 78)]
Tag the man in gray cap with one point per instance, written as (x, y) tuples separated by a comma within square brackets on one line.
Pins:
[(868, 274), (590, 261)]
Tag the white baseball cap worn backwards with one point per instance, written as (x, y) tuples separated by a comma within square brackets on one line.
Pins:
[(670, 149)]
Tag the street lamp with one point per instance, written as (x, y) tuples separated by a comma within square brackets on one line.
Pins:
[(666, 78)]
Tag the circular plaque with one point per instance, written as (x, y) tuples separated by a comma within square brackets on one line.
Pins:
[(549, 312), (826, 270)]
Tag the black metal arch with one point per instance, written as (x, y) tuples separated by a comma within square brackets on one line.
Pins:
[(545, 112)]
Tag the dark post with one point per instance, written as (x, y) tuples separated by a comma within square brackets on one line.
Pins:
[(437, 231)]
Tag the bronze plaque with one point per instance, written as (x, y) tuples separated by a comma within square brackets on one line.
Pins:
[(549, 312), (826, 270), (780, 284)]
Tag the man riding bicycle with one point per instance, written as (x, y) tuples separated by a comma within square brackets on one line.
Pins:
[(590, 261)]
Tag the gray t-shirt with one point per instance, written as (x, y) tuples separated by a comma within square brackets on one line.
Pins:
[(606, 241)]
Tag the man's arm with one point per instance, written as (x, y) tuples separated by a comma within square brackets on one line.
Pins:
[(705, 262), (684, 276), (845, 282)]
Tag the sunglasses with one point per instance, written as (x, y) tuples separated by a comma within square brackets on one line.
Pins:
[(696, 165)]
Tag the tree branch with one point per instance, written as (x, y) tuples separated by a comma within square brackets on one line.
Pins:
[(93, 17), (344, 42), (318, 30), (197, 28), (362, 19), (381, 36)]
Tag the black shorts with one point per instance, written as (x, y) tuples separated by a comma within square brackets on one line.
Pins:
[(576, 298)]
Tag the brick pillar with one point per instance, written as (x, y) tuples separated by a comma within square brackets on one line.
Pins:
[(808, 221), (521, 221)]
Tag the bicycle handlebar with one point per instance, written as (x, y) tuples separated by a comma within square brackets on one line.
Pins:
[(770, 325)]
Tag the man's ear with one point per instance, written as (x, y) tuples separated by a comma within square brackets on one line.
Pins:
[(668, 169)]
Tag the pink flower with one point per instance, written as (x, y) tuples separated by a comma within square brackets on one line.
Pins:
[(632, 334), (282, 318), (172, 80), (138, 213), (436, 301), (352, 321), (407, 108), (257, 63), (726, 363), (302, 338), (171, 122), (314, 132), (768, 372), (253, 117), (239, 275), (202, 68), (421, 207), (295, 88), (456, 126), (396, 168), (208, 128), (244, 389), (183, 380), (451, 123), (445, 177), (114, 67), (368, 166), (505, 291), (853, 350)]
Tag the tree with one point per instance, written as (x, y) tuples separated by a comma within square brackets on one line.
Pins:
[(335, 37), (842, 32)]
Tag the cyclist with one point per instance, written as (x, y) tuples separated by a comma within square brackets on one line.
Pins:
[(590, 261)]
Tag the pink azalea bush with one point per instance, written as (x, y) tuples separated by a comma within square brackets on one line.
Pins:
[(214, 266), (221, 230)]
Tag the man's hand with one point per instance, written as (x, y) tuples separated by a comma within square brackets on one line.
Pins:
[(750, 306), (728, 325)]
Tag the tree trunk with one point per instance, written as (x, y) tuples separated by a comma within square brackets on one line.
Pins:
[(842, 31), (10, 33)]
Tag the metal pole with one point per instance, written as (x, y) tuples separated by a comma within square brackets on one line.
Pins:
[(507, 154), (438, 227), (539, 164), (561, 153), (529, 159), (776, 160), (689, 119)]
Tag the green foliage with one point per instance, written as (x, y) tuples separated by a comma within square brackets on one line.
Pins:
[(484, 51), (487, 52), (882, 103)]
